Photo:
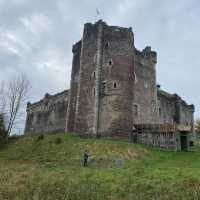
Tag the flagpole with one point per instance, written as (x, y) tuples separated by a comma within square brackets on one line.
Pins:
[(97, 14)]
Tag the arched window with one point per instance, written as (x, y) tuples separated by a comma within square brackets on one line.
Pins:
[(115, 85)]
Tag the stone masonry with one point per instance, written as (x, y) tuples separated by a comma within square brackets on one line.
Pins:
[(113, 86), (48, 115)]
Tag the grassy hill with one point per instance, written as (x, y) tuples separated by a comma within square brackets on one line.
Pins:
[(51, 168)]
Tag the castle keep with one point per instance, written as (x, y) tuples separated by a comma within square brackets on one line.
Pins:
[(113, 93)]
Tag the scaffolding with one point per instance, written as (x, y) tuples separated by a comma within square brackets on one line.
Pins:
[(157, 135)]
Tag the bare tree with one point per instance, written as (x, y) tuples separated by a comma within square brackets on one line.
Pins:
[(2, 98), (2, 111), (14, 97)]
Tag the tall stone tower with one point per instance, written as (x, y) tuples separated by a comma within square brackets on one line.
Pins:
[(113, 90), (106, 92), (145, 107)]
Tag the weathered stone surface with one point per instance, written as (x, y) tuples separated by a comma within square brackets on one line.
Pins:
[(113, 86), (172, 109), (48, 115)]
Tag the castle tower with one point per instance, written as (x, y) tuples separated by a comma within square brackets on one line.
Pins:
[(73, 92), (102, 82), (145, 109)]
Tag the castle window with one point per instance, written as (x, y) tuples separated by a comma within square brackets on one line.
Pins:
[(135, 110), (115, 85), (110, 62), (39, 117), (95, 59), (135, 78), (107, 45), (160, 112), (145, 84), (104, 85), (94, 75)]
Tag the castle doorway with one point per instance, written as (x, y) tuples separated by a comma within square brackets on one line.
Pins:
[(184, 143)]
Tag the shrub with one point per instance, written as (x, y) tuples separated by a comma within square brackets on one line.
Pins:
[(40, 137), (58, 140)]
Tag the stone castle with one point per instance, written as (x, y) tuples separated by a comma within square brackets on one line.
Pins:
[(113, 92)]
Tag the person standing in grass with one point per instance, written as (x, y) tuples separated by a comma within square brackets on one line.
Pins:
[(86, 156)]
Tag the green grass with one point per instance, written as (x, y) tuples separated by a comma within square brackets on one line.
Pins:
[(31, 169)]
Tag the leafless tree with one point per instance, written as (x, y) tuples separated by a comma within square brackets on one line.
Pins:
[(2, 98), (2, 111), (14, 97)]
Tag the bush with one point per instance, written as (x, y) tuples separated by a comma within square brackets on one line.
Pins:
[(40, 137), (58, 140), (1, 139)]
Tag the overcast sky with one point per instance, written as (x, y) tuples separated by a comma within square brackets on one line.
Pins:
[(36, 37)]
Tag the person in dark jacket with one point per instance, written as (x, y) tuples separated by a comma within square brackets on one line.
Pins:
[(86, 156)]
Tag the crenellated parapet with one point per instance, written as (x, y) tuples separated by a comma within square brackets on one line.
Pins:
[(146, 56), (173, 109), (48, 114)]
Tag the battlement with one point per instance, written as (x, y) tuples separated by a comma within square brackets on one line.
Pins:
[(121, 33), (179, 100), (114, 31), (96, 23), (48, 114), (47, 98), (146, 54), (175, 98)]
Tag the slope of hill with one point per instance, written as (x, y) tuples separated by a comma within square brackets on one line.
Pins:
[(33, 167)]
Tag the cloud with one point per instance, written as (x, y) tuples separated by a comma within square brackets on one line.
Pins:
[(36, 38)]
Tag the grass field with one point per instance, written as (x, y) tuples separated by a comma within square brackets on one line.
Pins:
[(52, 169)]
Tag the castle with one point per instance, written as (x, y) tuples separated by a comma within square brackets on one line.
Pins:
[(113, 93)]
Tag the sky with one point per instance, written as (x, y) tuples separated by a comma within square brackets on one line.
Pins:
[(36, 39)]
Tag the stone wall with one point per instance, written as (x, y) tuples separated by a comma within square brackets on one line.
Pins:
[(104, 92), (48, 115), (166, 107), (113, 87), (84, 121), (172, 109), (73, 92), (145, 90), (117, 81)]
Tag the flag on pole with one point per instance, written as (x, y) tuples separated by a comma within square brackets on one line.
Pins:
[(98, 14), (97, 10)]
